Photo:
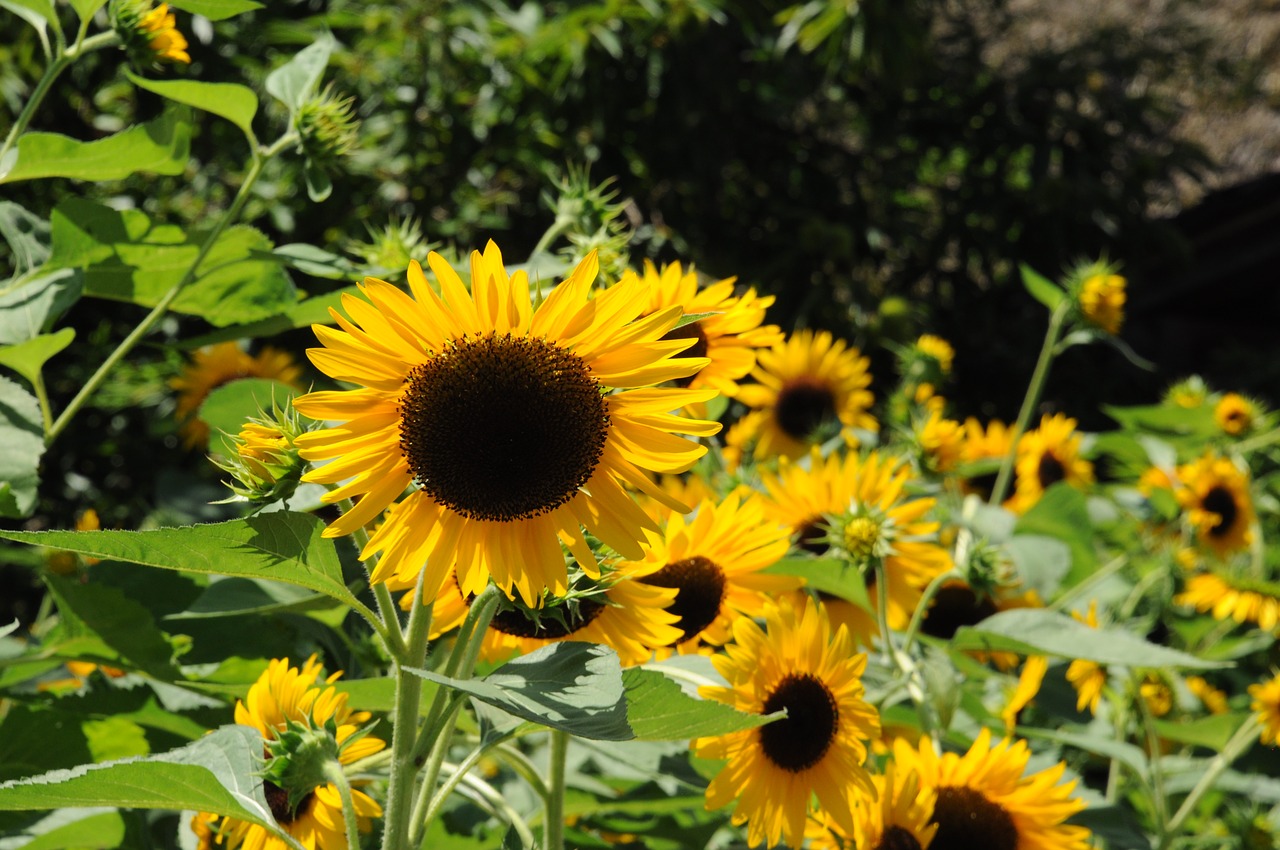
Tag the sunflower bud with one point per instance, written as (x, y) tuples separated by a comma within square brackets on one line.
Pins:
[(148, 34), (391, 248), (326, 124), (298, 758), (266, 466), (1099, 295)]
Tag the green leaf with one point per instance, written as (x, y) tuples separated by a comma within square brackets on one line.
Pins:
[(296, 80), (35, 12), (218, 773), (123, 624), (1211, 732), (21, 446), (87, 8), (1109, 748), (34, 740), (319, 186), (28, 358), (659, 710), (312, 311), (28, 307), (827, 575), (573, 686), (226, 409), (1166, 419), (1063, 513), (234, 596), (128, 257), (216, 10), (1039, 631), (27, 235), (1041, 288), (68, 829), (160, 146), (1042, 562), (280, 546), (232, 101)]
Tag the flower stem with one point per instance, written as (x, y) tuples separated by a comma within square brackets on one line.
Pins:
[(333, 772), (405, 731), (1234, 748), (554, 828), (917, 616), (1029, 402)]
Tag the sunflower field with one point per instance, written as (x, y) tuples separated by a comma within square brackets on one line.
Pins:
[(326, 524)]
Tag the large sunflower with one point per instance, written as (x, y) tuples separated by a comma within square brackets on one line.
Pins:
[(714, 560), (502, 415), (1235, 598), (215, 365), (985, 801), (864, 504), (806, 383), (728, 337), (281, 696), (1047, 455), (1215, 495), (818, 749)]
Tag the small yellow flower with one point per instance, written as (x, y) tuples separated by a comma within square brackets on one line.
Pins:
[(1085, 676), (938, 349), (1157, 694), (1235, 414), (1102, 298), (942, 442), (64, 563), (1214, 700), (1266, 702), (165, 39)]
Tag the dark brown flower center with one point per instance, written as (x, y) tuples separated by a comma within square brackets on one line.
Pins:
[(278, 801), (502, 428), (516, 623), (1050, 471), (967, 820), (692, 331), (799, 741), (955, 605), (1219, 500), (700, 586), (897, 838), (812, 536), (803, 406)]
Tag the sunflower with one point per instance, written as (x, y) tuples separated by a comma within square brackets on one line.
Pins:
[(1086, 676), (1214, 700), (806, 384), (714, 560), (864, 502), (1266, 702), (167, 42), (215, 365), (1047, 455), (1215, 495), (1234, 597), (148, 34), (898, 818), (938, 349), (1235, 414), (775, 770), (728, 337), (284, 697), (1028, 686), (503, 418), (1102, 298), (941, 442), (987, 446), (984, 800)]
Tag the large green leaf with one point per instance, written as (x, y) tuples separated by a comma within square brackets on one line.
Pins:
[(128, 257), (35, 12), (233, 596), (21, 446), (160, 146), (218, 773), (659, 710), (121, 623), (1211, 732), (33, 740), (216, 10), (234, 102), (827, 575), (28, 358), (312, 311), (1039, 631), (281, 546), (296, 80), (29, 306), (573, 686)]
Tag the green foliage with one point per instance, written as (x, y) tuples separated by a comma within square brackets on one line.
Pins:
[(160, 146)]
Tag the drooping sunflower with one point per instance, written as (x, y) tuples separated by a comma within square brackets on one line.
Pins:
[(729, 337), (714, 560), (774, 771), (1047, 455), (1234, 597), (1215, 495), (1087, 677), (1266, 704), (807, 383), (1235, 414), (284, 696), (984, 800), (220, 364), (503, 419), (864, 503), (898, 818)]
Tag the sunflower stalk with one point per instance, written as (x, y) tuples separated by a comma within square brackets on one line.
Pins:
[(554, 827), (334, 773), (1038, 377), (1235, 747)]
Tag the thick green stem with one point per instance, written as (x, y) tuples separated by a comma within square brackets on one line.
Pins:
[(560, 225), (157, 313), (333, 772), (1029, 402), (554, 829), (1235, 747), (405, 732)]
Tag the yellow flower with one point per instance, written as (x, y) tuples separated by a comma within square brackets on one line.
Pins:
[(220, 364), (1189, 393), (1235, 598), (166, 41), (985, 801), (987, 445), (808, 384), (1214, 700), (1102, 298), (942, 442), (1266, 702), (938, 349), (1157, 694), (1028, 686), (283, 695), (1085, 676), (1047, 455), (503, 419), (818, 749), (1235, 414), (728, 338), (897, 818), (1215, 495)]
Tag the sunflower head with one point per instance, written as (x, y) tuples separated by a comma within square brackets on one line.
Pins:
[(1215, 496), (1101, 299), (1189, 393), (1046, 456), (266, 466), (938, 350), (327, 127), (941, 442), (148, 34), (1235, 414)]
